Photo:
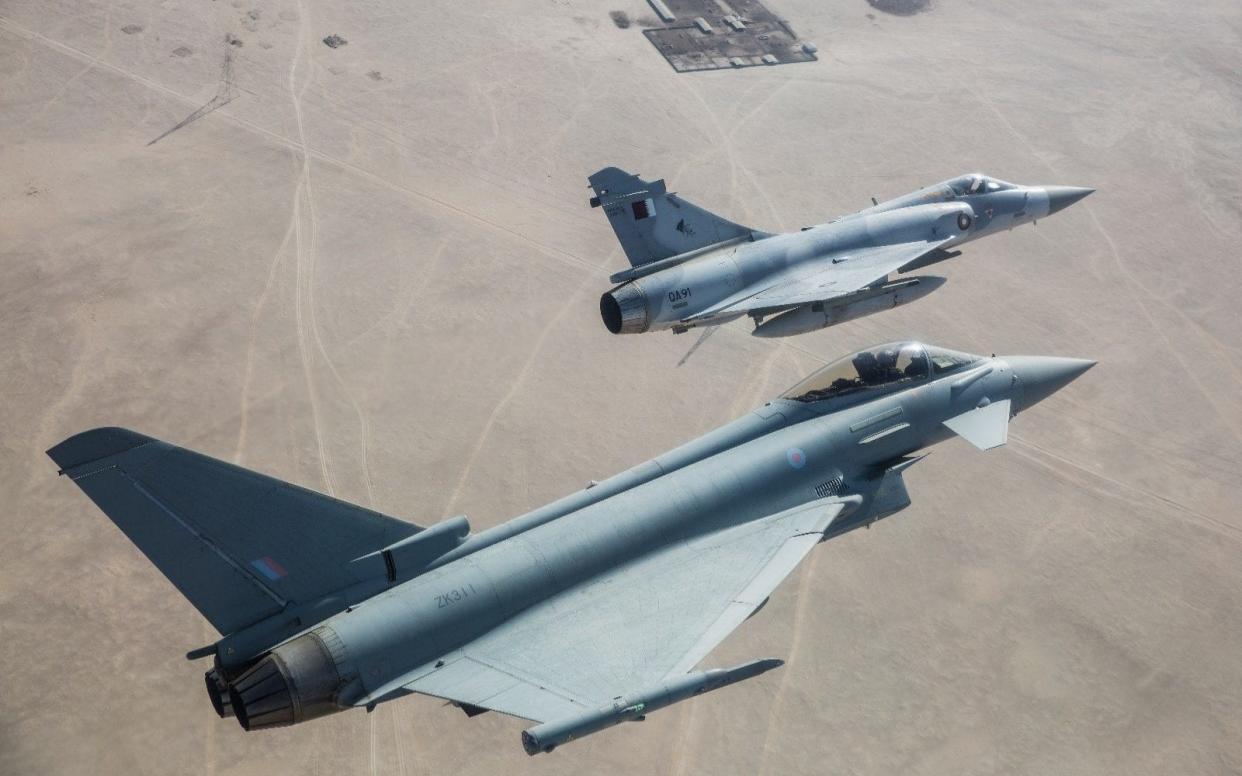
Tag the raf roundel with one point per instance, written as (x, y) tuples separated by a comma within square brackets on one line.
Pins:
[(270, 568), (796, 457)]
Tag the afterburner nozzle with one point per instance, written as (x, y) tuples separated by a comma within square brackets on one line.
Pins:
[(297, 681), (624, 309), (1041, 376)]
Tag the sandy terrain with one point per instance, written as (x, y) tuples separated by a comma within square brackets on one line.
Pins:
[(372, 270)]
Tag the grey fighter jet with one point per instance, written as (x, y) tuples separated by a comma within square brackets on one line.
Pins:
[(590, 611), (693, 268)]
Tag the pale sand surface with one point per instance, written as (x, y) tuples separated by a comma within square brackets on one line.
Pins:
[(385, 287)]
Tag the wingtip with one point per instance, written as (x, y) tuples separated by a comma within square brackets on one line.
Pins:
[(94, 444), (761, 666)]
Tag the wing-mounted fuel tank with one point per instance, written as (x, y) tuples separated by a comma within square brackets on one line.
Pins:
[(869, 301)]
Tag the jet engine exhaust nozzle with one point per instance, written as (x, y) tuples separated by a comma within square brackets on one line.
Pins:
[(624, 309), (218, 692), (294, 683)]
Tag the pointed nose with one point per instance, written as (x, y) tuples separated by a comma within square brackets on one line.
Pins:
[(1061, 197), (1041, 376)]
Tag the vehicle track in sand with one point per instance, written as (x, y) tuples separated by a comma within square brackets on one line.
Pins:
[(1139, 292), (305, 263), (1067, 469), (514, 386), (247, 377), (549, 251)]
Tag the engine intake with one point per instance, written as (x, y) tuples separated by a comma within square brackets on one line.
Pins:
[(295, 682), (624, 309)]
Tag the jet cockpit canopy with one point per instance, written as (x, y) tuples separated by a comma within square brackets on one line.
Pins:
[(978, 184), (897, 363)]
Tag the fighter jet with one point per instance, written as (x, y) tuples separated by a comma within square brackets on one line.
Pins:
[(693, 268), (593, 610)]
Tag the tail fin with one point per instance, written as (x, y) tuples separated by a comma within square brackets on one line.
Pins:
[(239, 545), (652, 224)]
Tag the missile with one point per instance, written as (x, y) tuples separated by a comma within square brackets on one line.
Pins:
[(819, 315), (547, 736)]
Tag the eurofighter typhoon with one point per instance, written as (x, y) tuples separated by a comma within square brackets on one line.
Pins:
[(693, 268), (591, 611)]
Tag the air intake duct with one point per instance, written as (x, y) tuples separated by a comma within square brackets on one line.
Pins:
[(624, 309), (293, 683)]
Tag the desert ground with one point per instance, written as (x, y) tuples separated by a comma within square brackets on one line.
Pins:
[(371, 270)]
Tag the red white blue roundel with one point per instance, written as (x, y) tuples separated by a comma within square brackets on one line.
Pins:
[(796, 457)]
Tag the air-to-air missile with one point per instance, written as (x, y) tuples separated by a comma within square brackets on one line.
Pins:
[(636, 706), (592, 610), (692, 268)]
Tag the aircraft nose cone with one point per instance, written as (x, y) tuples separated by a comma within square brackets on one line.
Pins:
[(1041, 376), (1061, 197)]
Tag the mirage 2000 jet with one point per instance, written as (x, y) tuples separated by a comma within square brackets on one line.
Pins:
[(693, 268), (591, 611)]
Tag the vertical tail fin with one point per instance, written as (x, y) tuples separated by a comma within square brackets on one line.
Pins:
[(652, 224)]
